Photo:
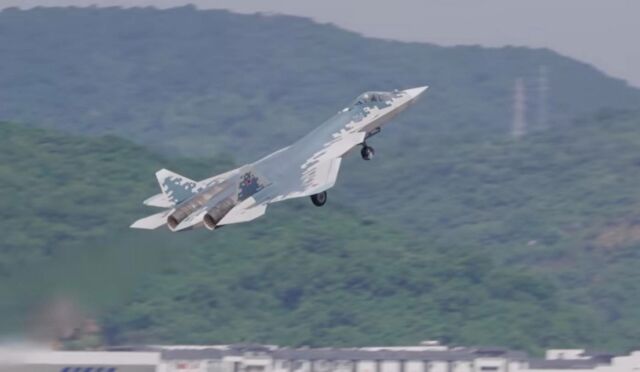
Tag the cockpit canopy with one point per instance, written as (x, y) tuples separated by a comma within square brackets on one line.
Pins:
[(370, 97)]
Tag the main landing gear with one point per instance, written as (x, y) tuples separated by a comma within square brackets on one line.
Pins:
[(319, 199), (367, 152)]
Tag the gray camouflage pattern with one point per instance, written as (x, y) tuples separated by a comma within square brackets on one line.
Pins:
[(307, 167)]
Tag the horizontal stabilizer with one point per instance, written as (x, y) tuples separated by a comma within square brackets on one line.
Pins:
[(152, 222), (158, 200)]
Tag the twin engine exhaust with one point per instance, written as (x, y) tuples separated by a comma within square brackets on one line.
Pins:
[(215, 214), (180, 214), (217, 197)]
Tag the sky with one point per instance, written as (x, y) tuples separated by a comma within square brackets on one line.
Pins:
[(603, 33)]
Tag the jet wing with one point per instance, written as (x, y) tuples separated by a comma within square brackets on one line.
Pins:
[(315, 174), (315, 179), (319, 172)]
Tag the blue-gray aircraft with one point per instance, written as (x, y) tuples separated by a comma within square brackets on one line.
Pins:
[(309, 167)]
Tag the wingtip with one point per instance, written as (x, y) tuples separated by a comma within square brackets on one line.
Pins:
[(151, 222), (136, 225), (160, 173), (139, 226)]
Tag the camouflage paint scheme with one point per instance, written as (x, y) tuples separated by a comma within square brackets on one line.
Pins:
[(307, 167)]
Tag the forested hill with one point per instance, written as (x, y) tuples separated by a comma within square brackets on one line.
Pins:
[(200, 82), (303, 275), (454, 231)]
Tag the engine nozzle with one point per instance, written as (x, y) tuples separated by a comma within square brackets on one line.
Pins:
[(215, 214)]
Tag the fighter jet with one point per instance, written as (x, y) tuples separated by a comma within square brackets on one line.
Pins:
[(307, 168)]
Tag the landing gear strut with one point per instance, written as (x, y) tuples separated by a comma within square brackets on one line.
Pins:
[(319, 199), (367, 152)]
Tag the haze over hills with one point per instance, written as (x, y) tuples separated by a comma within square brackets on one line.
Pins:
[(593, 31), (454, 231), (198, 82)]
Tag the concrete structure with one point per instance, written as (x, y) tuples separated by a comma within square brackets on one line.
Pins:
[(33, 360), (424, 358), (427, 357)]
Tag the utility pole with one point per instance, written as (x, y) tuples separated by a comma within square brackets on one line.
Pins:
[(543, 97), (519, 126)]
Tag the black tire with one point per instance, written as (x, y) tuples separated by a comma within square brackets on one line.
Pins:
[(367, 152), (319, 199)]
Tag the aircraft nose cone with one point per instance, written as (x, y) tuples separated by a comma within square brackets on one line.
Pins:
[(414, 93)]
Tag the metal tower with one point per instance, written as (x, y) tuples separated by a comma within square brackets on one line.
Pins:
[(519, 127), (543, 94)]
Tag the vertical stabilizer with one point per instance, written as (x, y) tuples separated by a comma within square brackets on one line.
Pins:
[(175, 187)]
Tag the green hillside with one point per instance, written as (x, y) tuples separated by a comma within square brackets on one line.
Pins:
[(304, 275), (454, 231), (563, 202), (63, 197), (561, 205)]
